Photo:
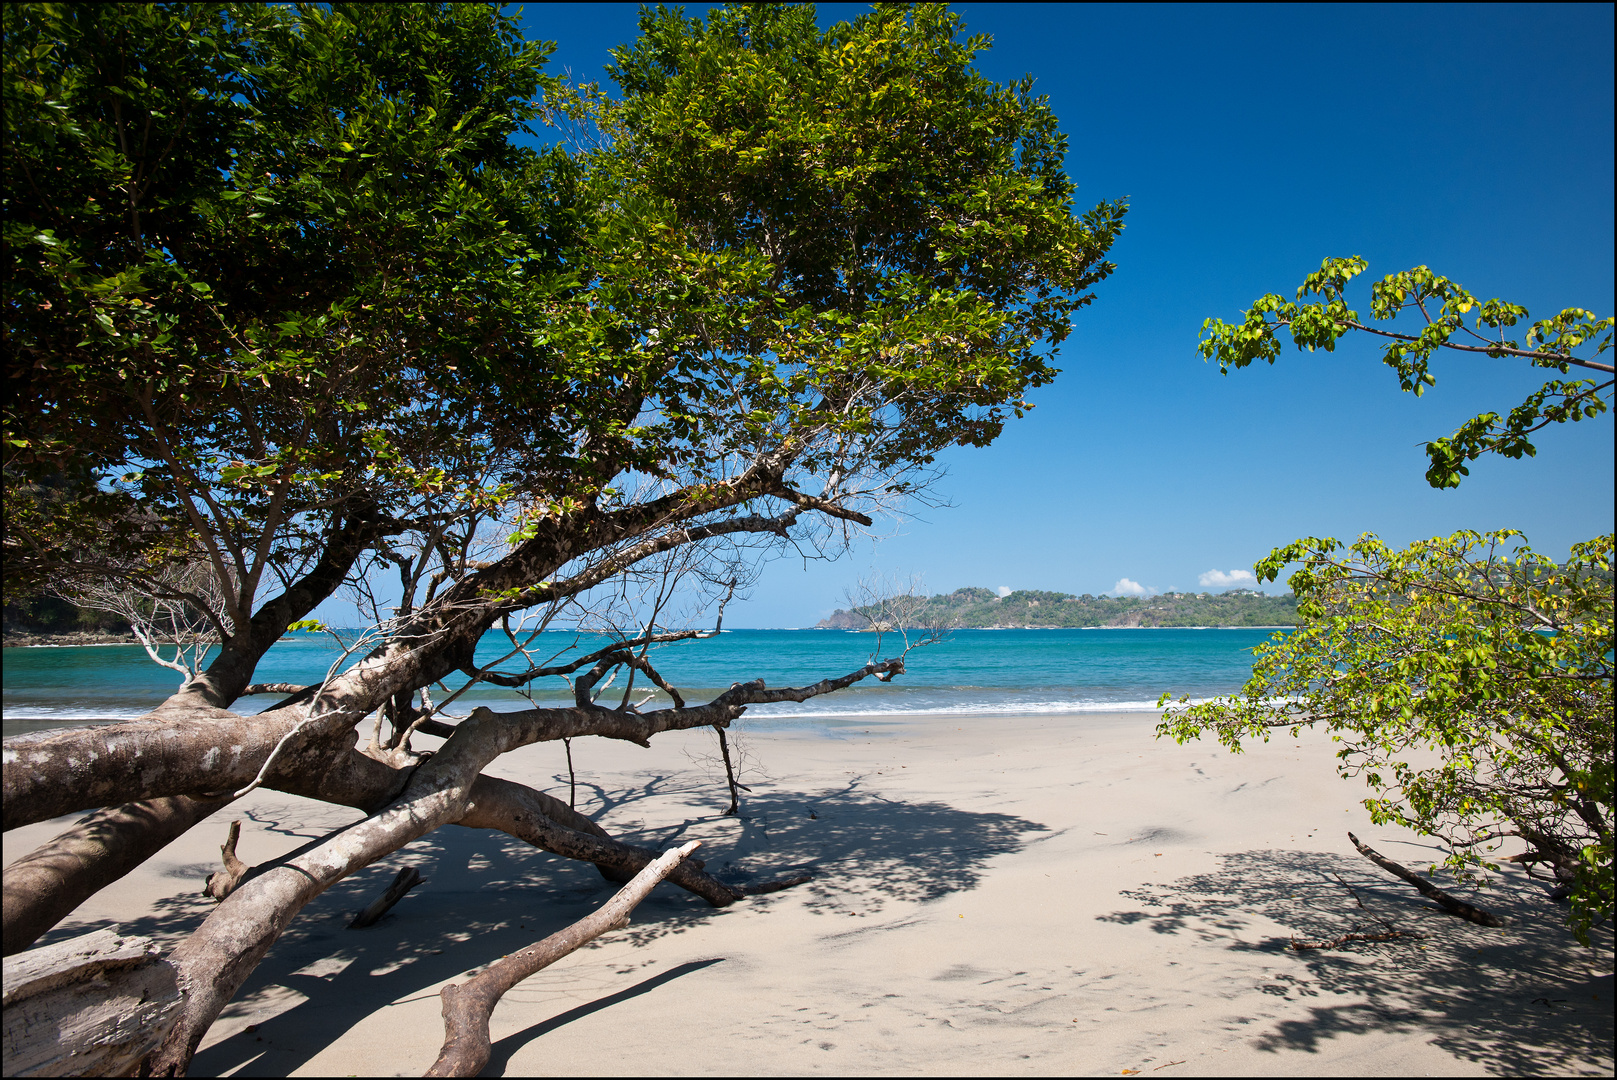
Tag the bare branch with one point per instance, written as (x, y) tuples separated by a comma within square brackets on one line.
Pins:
[(467, 1007)]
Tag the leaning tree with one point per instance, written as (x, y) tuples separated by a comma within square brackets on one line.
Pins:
[(294, 295)]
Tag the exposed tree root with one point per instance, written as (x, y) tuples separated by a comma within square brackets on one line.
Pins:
[(467, 1006), (1455, 907), (406, 879)]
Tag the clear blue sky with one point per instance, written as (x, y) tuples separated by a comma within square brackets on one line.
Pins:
[(1252, 142)]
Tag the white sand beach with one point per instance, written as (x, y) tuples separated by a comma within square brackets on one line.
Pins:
[(994, 894)]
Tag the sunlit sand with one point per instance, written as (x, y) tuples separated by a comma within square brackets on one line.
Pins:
[(1031, 894)]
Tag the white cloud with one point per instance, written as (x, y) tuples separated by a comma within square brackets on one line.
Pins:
[(1003, 591), (1125, 587), (1219, 579)]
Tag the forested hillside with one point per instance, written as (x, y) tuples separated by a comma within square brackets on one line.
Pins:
[(980, 608), (41, 619)]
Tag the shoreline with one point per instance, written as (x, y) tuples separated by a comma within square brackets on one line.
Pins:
[(820, 724), (74, 639), (1027, 896), (77, 639)]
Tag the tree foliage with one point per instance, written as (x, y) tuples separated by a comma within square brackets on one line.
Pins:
[(293, 295), (263, 283), (979, 607), (1467, 679), (283, 278), (1442, 305)]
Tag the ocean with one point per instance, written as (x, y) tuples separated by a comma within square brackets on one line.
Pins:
[(973, 672)]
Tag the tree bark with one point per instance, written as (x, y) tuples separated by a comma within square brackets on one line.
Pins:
[(467, 1006), (216, 959), (1448, 903), (63, 772), (221, 883), (43, 887), (51, 773), (537, 818), (91, 1006), (191, 751)]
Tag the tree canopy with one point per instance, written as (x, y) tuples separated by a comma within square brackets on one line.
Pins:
[(297, 292), (287, 285)]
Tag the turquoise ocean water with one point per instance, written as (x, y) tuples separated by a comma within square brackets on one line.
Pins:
[(973, 672)]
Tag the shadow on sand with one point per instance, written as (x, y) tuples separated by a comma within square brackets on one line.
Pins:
[(1522, 1000), (486, 895)]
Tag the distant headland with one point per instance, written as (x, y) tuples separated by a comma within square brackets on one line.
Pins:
[(981, 609)]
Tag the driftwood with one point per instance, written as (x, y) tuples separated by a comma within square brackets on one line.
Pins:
[(775, 886), (91, 1006), (1344, 939), (1390, 933), (467, 1006), (1458, 908), (221, 883), (406, 879)]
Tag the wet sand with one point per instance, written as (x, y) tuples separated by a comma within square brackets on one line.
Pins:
[(1010, 894)]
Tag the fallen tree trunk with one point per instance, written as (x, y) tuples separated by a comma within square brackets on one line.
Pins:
[(216, 959), (316, 756), (91, 1006), (42, 888), (1458, 908), (467, 1007), (495, 804), (50, 773), (45, 886)]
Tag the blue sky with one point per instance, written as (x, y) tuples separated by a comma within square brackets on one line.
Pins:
[(1253, 142)]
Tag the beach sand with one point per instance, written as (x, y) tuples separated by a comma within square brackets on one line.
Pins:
[(994, 894)]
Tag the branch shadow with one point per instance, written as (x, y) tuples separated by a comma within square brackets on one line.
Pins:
[(502, 1050), (1517, 1000), (487, 895)]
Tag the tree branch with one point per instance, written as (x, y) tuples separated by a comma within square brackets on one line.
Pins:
[(467, 1007), (1490, 350), (1448, 903)]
